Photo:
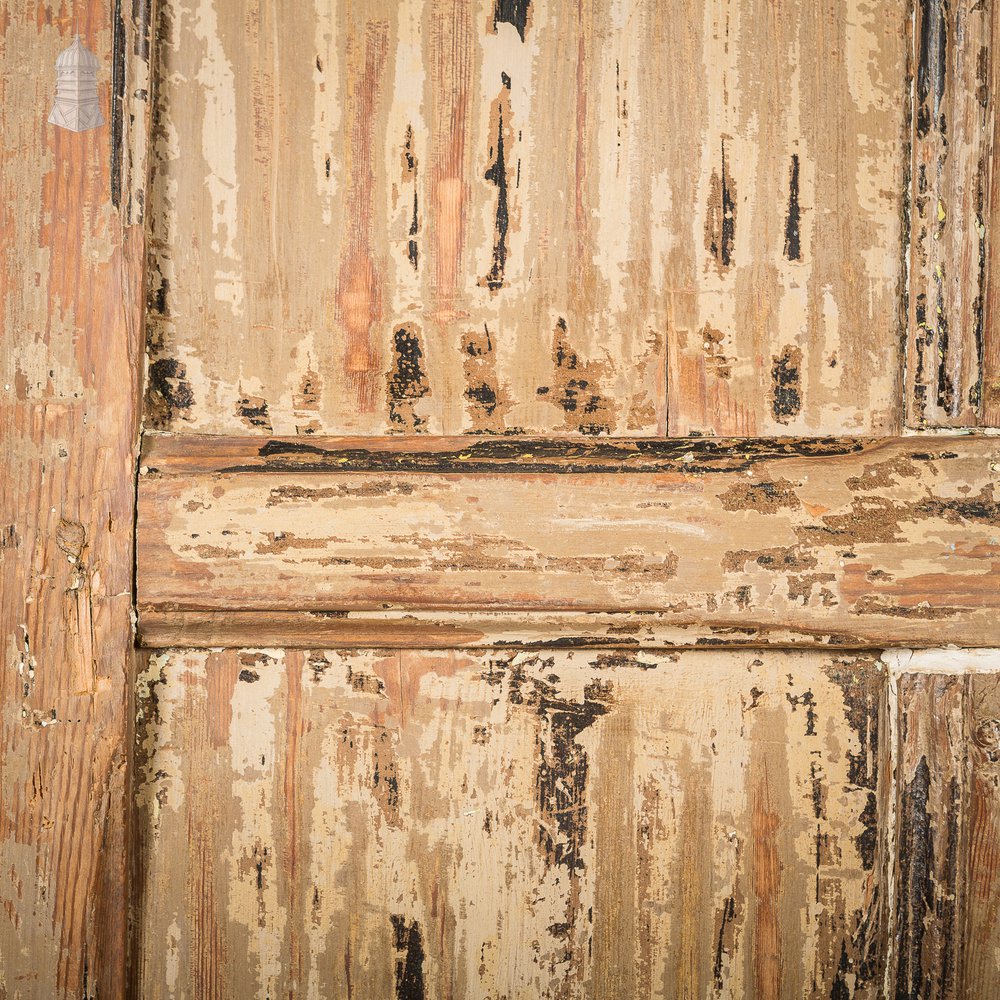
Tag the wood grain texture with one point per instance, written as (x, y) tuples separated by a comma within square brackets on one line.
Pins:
[(932, 801), (981, 975), (417, 825), (941, 823), (952, 174), (894, 541), (444, 217), (71, 308), (991, 323)]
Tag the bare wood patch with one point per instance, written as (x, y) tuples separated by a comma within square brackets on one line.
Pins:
[(71, 310)]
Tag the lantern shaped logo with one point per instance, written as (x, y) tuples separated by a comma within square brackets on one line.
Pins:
[(77, 106)]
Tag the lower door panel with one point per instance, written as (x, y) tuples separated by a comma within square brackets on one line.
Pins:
[(510, 824)]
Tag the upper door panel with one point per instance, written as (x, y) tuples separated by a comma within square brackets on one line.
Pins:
[(624, 217)]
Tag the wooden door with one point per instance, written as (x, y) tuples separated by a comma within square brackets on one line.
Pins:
[(565, 515)]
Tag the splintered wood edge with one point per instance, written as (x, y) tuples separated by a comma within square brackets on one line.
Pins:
[(163, 624)]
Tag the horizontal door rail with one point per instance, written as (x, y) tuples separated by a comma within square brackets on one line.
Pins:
[(649, 543)]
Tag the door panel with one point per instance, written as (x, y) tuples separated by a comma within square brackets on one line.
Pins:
[(378, 823), (498, 354), (446, 216)]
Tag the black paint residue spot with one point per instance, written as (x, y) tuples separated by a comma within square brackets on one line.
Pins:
[(408, 940), (793, 243), (483, 396), (252, 410), (808, 700), (488, 404), (249, 676), (576, 390), (118, 47), (412, 251), (863, 713), (786, 399), (916, 871), (563, 769), (169, 391), (947, 398), (513, 12), (407, 381), (727, 918), (720, 222), (497, 174), (932, 65), (410, 175)]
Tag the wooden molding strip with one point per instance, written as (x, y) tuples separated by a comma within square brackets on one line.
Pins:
[(161, 628), (846, 543)]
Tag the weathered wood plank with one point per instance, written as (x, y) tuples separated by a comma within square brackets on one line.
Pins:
[(932, 802), (71, 308), (421, 216), (952, 147), (981, 976), (892, 541), (375, 824), (941, 825)]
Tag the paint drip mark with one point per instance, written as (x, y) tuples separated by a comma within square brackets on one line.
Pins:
[(947, 397), (497, 174), (786, 395), (409, 945), (252, 411), (410, 176), (169, 392), (407, 381), (916, 890), (487, 402), (726, 919), (515, 12), (720, 222), (563, 767), (793, 241)]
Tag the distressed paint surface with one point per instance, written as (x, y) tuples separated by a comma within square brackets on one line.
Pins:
[(982, 934), (894, 540), (940, 823), (431, 217), (951, 178), (421, 824), (948, 367), (71, 280)]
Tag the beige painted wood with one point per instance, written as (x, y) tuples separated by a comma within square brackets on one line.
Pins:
[(445, 217), (895, 541), (71, 308), (376, 824)]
